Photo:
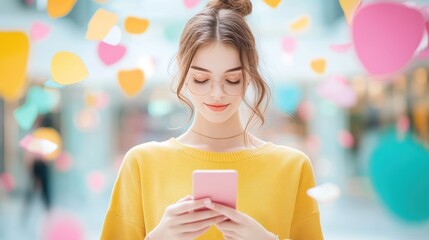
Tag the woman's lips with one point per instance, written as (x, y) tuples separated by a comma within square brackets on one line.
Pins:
[(217, 107)]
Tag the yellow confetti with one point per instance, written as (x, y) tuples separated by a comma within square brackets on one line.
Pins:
[(59, 8), (51, 135), (318, 65), (273, 3), (135, 25), (67, 68), (131, 81), (300, 24), (349, 7), (100, 24), (14, 49)]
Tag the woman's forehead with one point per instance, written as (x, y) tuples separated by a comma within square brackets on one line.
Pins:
[(216, 57)]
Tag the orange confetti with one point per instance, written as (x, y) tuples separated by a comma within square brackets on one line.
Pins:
[(273, 3), (67, 68), (131, 81), (300, 24), (14, 49), (60, 8), (135, 25), (349, 8), (100, 24), (318, 65)]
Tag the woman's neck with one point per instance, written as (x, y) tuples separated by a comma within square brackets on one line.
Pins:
[(227, 136)]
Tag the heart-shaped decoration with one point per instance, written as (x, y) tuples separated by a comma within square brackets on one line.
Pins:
[(288, 44), (386, 35), (191, 3), (100, 24), (318, 65), (68, 68), (59, 8), (135, 25), (349, 7), (39, 31), (14, 50), (273, 3), (131, 81), (338, 91), (109, 54)]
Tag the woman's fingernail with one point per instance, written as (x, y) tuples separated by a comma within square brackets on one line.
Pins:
[(208, 203)]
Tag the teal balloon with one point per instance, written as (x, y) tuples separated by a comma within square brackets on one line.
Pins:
[(287, 98), (399, 172), (40, 98)]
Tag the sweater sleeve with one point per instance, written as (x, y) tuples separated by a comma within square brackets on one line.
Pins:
[(306, 220), (124, 218)]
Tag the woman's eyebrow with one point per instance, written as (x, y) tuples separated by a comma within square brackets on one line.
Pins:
[(206, 70)]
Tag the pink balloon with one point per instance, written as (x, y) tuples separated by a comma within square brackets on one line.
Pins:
[(191, 3), (346, 139), (7, 181), (338, 91), (340, 48), (39, 31), (64, 226), (403, 124), (64, 162), (386, 36), (288, 44), (110, 54), (96, 181)]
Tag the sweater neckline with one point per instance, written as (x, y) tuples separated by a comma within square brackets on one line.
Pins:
[(220, 157)]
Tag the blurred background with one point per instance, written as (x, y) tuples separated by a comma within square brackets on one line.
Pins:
[(83, 81)]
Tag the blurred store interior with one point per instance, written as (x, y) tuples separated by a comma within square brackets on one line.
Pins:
[(366, 130)]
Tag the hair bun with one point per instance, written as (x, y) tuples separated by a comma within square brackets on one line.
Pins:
[(243, 7)]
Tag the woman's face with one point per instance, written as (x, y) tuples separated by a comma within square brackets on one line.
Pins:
[(215, 82)]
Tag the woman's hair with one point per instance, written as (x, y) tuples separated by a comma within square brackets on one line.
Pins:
[(223, 21)]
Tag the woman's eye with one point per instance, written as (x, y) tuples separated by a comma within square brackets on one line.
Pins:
[(200, 80), (233, 81)]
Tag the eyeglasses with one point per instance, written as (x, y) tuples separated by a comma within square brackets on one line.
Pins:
[(202, 84)]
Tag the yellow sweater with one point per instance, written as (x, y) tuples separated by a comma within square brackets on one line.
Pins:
[(272, 185)]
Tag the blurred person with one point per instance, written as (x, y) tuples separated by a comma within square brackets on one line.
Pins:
[(39, 171), (217, 62)]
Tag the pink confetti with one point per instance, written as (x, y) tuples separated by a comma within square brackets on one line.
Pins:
[(62, 225), (190, 3), (338, 91), (305, 110), (384, 42), (64, 162), (38, 146), (346, 139), (110, 54), (39, 31), (341, 48), (403, 124), (288, 44), (96, 181), (313, 143), (7, 181)]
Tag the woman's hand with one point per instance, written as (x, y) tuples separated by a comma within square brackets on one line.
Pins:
[(180, 221), (240, 225)]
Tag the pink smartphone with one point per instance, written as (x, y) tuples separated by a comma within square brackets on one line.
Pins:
[(218, 185)]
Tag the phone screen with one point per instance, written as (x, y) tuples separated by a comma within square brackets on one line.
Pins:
[(219, 185)]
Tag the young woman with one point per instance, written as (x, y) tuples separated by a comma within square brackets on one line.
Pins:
[(151, 199)]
